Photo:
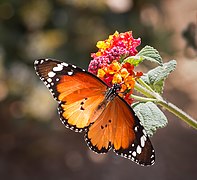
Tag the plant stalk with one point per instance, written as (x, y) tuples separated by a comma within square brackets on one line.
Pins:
[(179, 113), (144, 89)]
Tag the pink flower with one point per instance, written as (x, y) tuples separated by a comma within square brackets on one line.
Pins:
[(116, 47)]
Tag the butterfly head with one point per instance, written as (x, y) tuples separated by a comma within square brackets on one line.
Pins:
[(116, 88), (113, 92)]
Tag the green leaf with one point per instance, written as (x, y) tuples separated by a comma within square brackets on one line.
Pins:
[(135, 60), (150, 54), (150, 116), (155, 78)]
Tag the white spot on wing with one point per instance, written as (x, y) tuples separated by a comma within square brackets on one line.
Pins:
[(64, 64), (134, 153), (59, 67), (139, 149), (144, 132), (49, 80), (70, 73), (51, 74), (36, 62), (48, 85), (142, 141), (74, 66)]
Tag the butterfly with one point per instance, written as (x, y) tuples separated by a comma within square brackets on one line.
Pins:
[(87, 104)]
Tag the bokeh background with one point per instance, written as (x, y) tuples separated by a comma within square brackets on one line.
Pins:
[(33, 142)]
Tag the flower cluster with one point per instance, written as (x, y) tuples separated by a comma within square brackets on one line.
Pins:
[(116, 47), (123, 74), (108, 63)]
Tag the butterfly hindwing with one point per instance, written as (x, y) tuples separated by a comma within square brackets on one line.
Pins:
[(119, 128), (77, 91)]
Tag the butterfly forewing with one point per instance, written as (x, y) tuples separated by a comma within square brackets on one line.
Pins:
[(77, 91)]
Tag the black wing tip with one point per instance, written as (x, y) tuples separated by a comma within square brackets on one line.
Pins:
[(40, 61), (43, 60)]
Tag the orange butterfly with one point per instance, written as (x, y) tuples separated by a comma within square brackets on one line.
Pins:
[(87, 104)]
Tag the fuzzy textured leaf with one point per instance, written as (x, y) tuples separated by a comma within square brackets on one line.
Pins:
[(150, 116), (155, 78), (150, 54)]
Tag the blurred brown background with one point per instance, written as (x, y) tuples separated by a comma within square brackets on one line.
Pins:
[(33, 142)]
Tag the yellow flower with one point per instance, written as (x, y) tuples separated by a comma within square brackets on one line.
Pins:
[(98, 53), (101, 73), (117, 79), (114, 67), (124, 73), (100, 44), (107, 43), (130, 82), (112, 36)]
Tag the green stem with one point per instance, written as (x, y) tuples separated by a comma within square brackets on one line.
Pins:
[(179, 113), (145, 85), (143, 99), (148, 92), (144, 90)]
